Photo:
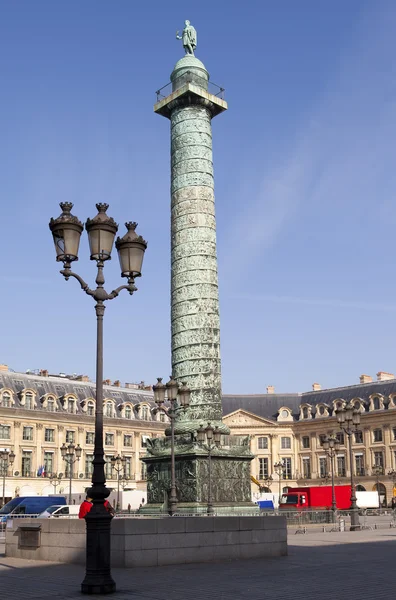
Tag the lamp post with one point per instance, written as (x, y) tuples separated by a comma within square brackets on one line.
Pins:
[(118, 463), (268, 480), (377, 470), (173, 390), (349, 420), (55, 480), (213, 439), (278, 468), (392, 475), (332, 446), (71, 454), (66, 231), (7, 458)]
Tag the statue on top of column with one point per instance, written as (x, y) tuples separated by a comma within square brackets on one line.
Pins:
[(189, 37)]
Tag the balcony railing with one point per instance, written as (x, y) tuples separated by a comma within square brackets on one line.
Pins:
[(190, 77)]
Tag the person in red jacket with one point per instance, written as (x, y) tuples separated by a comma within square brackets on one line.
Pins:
[(86, 506)]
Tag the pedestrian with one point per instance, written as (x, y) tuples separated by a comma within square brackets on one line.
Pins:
[(86, 506), (129, 508), (393, 503)]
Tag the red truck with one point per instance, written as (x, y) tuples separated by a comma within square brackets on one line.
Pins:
[(316, 497)]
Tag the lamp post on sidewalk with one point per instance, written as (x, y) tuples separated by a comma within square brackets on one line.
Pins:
[(66, 231), (118, 463), (279, 468), (173, 390), (7, 458), (332, 446), (213, 440), (349, 420), (55, 480), (377, 470), (71, 454)]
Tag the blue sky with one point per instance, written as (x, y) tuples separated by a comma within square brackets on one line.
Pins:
[(304, 173)]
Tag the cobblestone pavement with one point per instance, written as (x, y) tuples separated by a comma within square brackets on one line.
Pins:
[(329, 566)]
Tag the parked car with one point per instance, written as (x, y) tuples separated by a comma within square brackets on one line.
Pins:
[(60, 510), (28, 506)]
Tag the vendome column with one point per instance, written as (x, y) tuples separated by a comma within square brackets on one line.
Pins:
[(195, 321)]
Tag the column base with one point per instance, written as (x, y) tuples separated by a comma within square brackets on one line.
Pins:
[(98, 588)]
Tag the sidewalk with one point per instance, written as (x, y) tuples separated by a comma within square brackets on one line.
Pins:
[(357, 565)]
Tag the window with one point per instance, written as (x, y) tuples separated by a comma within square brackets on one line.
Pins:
[(5, 432), (6, 403), (357, 405), (27, 434), (49, 435), (128, 440), (379, 459), (376, 403), (143, 441), (262, 443), (29, 401), (321, 410), (162, 417), (306, 464), (305, 412), (285, 443), (90, 409), (109, 439), (26, 464), (341, 438), (263, 468), (322, 438), (341, 472), (143, 472), (284, 414), (88, 466), (51, 405), (48, 463), (70, 405), (287, 471), (358, 437), (323, 467), (109, 471), (305, 441), (377, 435), (128, 466), (70, 437), (145, 413), (90, 437), (109, 409), (128, 412), (359, 465), (394, 434)]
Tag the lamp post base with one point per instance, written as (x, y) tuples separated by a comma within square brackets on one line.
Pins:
[(355, 523), (98, 588), (98, 579)]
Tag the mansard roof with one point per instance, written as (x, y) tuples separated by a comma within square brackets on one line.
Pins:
[(262, 405)]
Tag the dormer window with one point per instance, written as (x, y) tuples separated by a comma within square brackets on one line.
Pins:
[(70, 405), (6, 400), (29, 403), (128, 412), (51, 405), (376, 403), (90, 409), (109, 409), (145, 413), (305, 412), (321, 410)]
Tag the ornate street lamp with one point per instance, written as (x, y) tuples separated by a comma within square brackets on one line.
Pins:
[(377, 470), (71, 454), (279, 469), (66, 231), (7, 458), (55, 480), (172, 389), (392, 475), (118, 463), (332, 446), (349, 420), (213, 440)]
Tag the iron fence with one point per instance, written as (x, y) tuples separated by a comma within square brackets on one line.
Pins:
[(193, 78)]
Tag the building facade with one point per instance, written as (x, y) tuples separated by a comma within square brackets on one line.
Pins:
[(40, 412)]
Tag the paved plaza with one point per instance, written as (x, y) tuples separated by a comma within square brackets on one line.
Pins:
[(328, 566)]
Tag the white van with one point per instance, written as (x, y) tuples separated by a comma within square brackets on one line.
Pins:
[(57, 510)]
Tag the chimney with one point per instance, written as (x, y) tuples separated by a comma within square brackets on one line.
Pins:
[(43, 372), (3, 367), (84, 378), (270, 389), (383, 376), (107, 382), (117, 383), (131, 386), (316, 387), (365, 379)]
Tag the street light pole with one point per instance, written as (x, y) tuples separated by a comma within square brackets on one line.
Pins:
[(278, 468), (377, 471), (213, 440), (331, 446), (392, 475), (55, 480), (71, 454), (7, 458), (173, 389), (66, 231), (118, 463), (349, 420)]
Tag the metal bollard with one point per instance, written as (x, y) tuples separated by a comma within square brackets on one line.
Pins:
[(342, 524)]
